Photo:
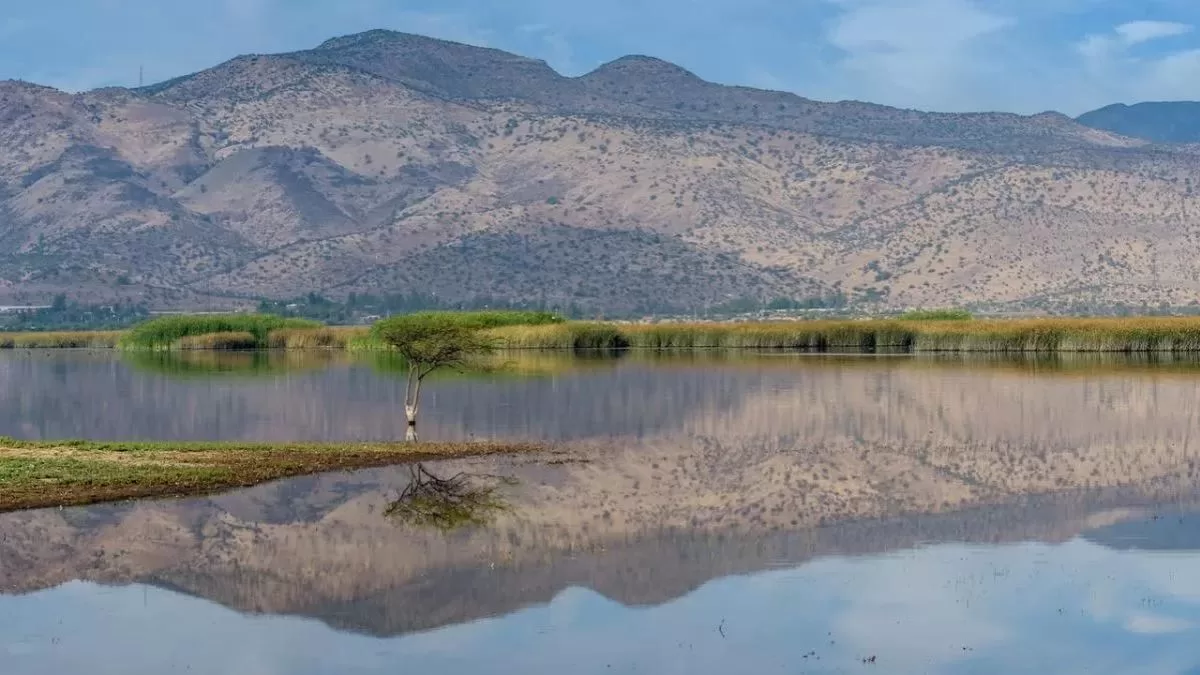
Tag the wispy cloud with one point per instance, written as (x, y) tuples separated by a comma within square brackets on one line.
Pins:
[(899, 51), (1137, 32)]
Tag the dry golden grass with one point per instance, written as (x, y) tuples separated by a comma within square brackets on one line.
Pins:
[(325, 337), (61, 340), (232, 340)]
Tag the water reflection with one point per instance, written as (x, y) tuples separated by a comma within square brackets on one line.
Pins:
[(446, 504), (1062, 402), (714, 513), (234, 585)]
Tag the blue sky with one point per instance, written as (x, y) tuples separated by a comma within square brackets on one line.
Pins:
[(956, 55)]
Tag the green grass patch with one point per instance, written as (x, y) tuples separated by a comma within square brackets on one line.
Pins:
[(47, 474)]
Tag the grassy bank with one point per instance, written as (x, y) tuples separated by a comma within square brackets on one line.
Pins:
[(46, 474)]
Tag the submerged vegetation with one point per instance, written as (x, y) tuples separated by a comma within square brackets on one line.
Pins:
[(46, 474)]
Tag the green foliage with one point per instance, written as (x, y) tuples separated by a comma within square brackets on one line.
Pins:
[(936, 315), (479, 320), (432, 340), (166, 332)]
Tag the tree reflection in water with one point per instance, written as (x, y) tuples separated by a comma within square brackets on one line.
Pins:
[(463, 500)]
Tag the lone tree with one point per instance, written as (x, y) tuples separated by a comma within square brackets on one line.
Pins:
[(427, 342)]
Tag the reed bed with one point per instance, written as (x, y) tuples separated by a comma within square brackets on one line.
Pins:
[(166, 332), (217, 341), (348, 338), (580, 336), (1129, 335), (61, 340), (361, 338), (1062, 335), (954, 335)]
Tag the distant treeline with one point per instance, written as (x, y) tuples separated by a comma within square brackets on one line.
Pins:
[(357, 308), (63, 315)]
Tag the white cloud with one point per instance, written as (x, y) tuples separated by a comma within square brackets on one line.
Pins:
[(1153, 624), (1137, 32), (1115, 71), (1100, 47), (898, 51)]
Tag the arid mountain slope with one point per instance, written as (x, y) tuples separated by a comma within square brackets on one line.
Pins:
[(385, 162)]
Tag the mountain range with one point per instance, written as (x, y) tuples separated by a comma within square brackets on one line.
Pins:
[(384, 163)]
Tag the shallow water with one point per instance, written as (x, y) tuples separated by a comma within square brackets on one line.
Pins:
[(714, 514)]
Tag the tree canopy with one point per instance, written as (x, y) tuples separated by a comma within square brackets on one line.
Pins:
[(431, 341)]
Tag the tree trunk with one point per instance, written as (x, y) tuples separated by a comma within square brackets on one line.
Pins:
[(412, 394), (411, 407)]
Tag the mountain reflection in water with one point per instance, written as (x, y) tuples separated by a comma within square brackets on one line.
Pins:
[(771, 514)]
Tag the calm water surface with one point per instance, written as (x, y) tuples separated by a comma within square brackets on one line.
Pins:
[(713, 515)]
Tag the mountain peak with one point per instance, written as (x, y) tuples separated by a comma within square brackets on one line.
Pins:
[(396, 41), (638, 65), (1156, 121), (440, 67)]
